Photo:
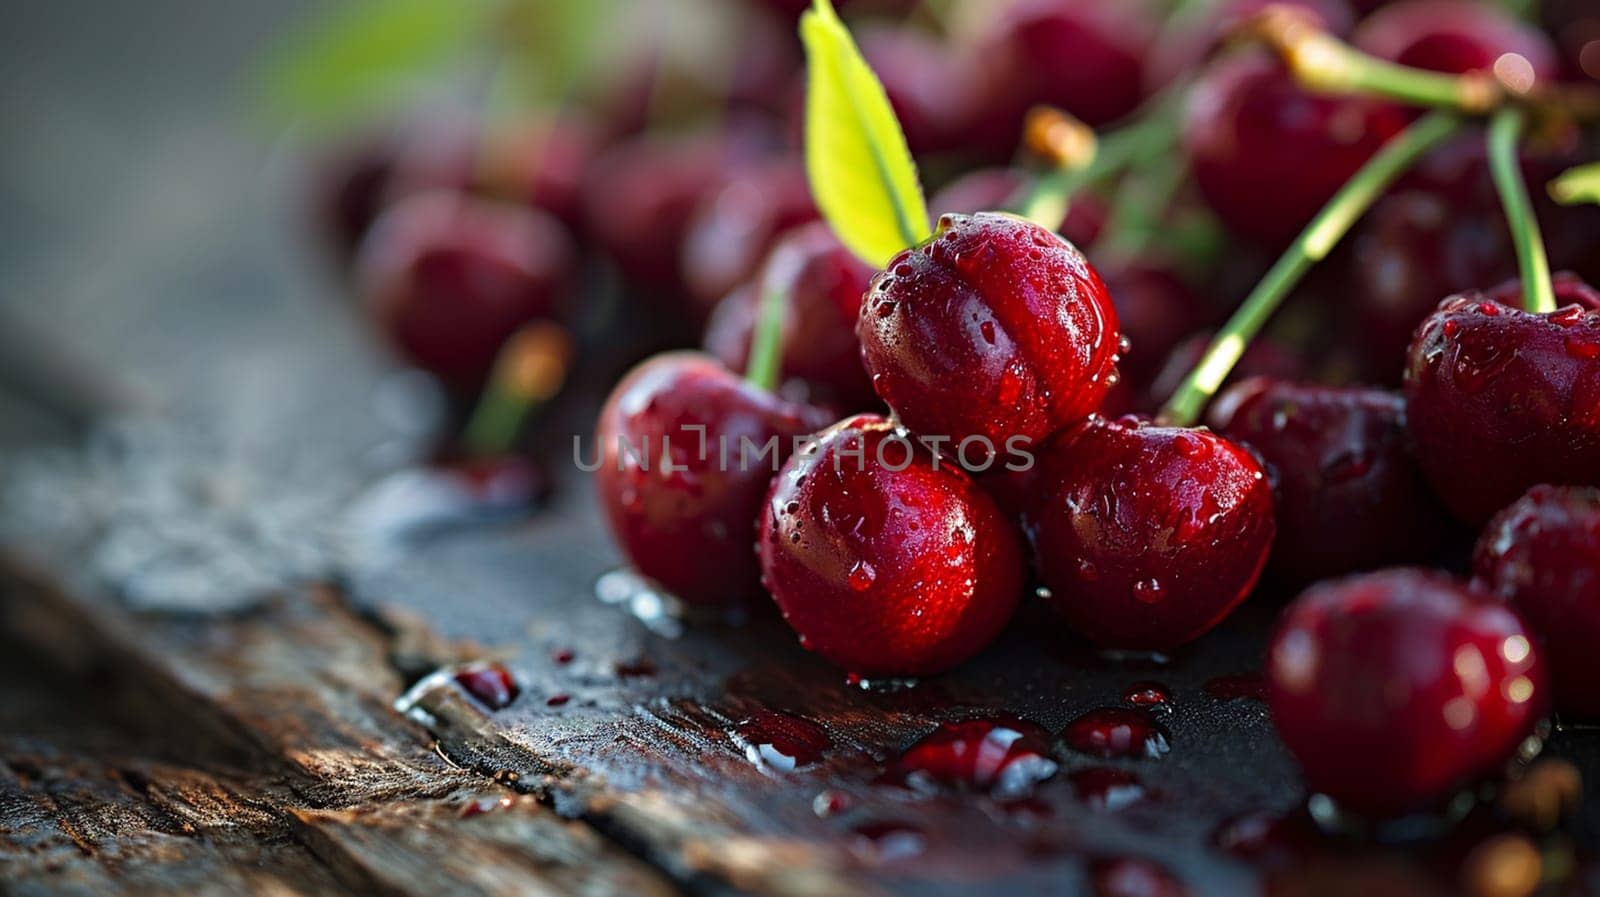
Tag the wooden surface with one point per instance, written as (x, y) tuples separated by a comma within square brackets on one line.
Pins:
[(206, 630)]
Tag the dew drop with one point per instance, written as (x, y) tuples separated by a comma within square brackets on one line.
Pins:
[(1149, 591), (831, 803), (491, 684), (1581, 348), (1010, 388), (1002, 757), (780, 741), (1147, 694), (862, 576), (1117, 732), (1191, 446)]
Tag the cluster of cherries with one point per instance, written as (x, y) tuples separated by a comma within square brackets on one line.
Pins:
[(908, 438)]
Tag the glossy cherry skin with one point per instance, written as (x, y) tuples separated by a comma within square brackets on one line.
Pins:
[(1266, 154), (1396, 689), (1543, 555), (1499, 399), (449, 278), (1454, 36), (690, 525), (1147, 536), (994, 189), (736, 225), (823, 282), (993, 328), (887, 572), (1086, 58), (1349, 495)]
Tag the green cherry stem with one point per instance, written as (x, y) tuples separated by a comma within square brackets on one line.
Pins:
[(1314, 243), (529, 371), (1151, 135), (766, 344), (1505, 130), (1321, 62)]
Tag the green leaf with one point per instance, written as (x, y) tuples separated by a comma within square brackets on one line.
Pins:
[(860, 169), (358, 55), (1577, 185)]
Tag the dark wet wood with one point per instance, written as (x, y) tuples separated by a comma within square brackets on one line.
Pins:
[(291, 741), (251, 756)]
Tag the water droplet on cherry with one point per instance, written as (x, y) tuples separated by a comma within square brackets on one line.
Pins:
[(861, 576)]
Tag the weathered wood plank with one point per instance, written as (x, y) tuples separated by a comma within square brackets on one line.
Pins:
[(340, 790)]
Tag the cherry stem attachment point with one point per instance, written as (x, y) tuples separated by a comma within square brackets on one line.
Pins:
[(1505, 131), (529, 371), (766, 343), (1313, 245)]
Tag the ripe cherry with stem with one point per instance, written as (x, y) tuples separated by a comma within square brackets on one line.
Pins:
[(1499, 397), (677, 483), (886, 558), (1111, 491)]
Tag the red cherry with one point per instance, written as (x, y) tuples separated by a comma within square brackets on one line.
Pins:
[(993, 189), (449, 278), (1395, 689), (1086, 58), (882, 569), (1543, 554), (1147, 536), (689, 525), (1266, 154), (736, 225), (1349, 495), (994, 328), (823, 283), (1454, 36), (1499, 399)]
